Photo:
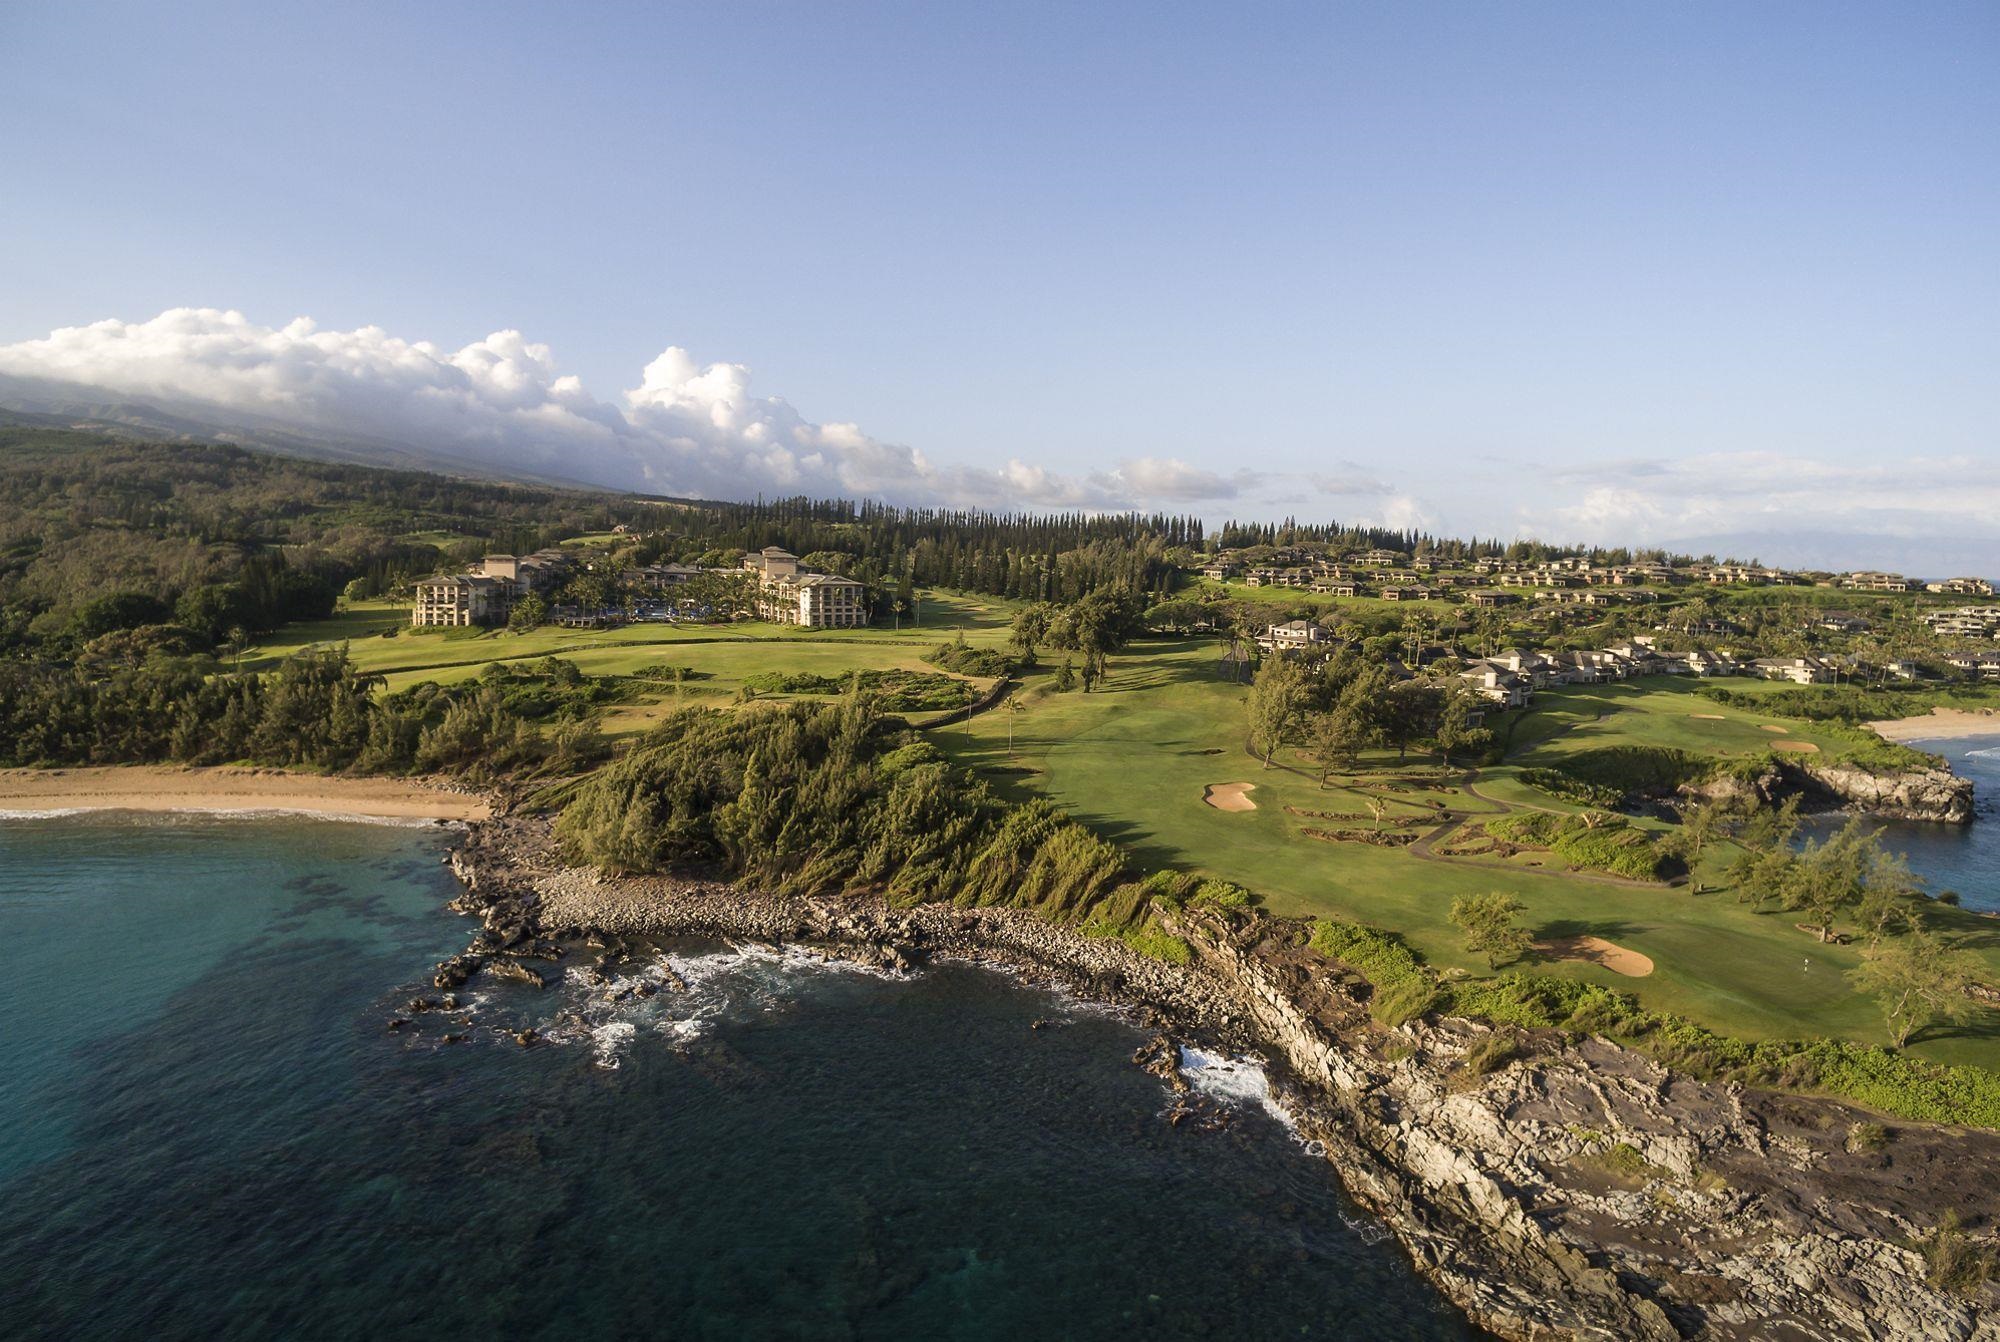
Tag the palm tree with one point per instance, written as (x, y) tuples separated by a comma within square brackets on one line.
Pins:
[(1014, 709)]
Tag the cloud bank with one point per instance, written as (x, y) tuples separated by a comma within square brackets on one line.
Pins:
[(1895, 495), (687, 428)]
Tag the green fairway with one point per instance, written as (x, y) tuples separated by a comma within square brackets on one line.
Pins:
[(723, 656), (1133, 760), (1662, 712)]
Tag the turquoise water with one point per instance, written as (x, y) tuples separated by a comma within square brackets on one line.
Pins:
[(210, 1134)]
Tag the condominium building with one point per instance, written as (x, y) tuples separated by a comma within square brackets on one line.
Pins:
[(461, 599), (788, 595)]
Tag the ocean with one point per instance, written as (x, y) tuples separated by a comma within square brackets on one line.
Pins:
[(211, 1133)]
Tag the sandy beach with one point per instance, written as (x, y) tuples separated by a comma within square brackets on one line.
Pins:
[(1941, 724), (165, 788)]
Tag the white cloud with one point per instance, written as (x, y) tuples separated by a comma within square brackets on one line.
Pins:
[(687, 428), (1895, 494)]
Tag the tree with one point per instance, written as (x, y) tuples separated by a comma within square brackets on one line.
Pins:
[(1014, 710), (1455, 732), (1918, 982), (528, 613), (1030, 630), (1409, 712), (1065, 677), (1699, 822), (1488, 923), (1179, 615), (1889, 897), (1337, 737), (1831, 876), (1278, 701)]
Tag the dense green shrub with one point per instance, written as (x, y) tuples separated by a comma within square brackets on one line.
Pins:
[(1594, 841), (1630, 770), (894, 691), (962, 659), (1559, 784), (825, 798)]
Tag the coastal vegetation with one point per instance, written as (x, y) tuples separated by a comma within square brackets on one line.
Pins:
[(314, 710), (167, 604)]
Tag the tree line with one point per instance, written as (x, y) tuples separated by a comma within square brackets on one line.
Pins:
[(315, 710)]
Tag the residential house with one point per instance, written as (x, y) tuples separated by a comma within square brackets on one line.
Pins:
[(1961, 587), (1798, 670), (1712, 664), (1294, 636), (1497, 684), (1985, 665)]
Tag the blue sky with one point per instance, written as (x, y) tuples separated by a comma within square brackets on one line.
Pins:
[(1591, 270)]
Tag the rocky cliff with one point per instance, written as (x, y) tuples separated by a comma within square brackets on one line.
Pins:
[(1909, 794), (1580, 1190)]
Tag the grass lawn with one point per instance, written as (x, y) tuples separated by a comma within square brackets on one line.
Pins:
[(1132, 760), (723, 655), (1659, 711)]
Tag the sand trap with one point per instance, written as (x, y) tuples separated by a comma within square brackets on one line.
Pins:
[(1796, 747), (1708, 717), (1598, 951), (1774, 727), (1229, 796)]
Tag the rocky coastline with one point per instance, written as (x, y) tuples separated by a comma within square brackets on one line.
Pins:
[(1933, 794), (1579, 1191)]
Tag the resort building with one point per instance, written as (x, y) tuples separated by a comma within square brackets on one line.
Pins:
[(487, 594), (788, 595), (462, 599)]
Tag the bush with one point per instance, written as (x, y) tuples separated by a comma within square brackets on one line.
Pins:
[(1953, 1262), (1401, 1002), (961, 659), (1559, 784), (1404, 987), (1628, 770), (892, 691), (1596, 841), (807, 798)]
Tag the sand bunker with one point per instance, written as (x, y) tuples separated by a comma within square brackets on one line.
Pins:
[(1796, 747), (1709, 717), (1229, 796), (1774, 727), (1598, 951)]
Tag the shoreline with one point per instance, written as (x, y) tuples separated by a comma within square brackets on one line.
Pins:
[(1584, 1190), (1940, 724), (28, 793)]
